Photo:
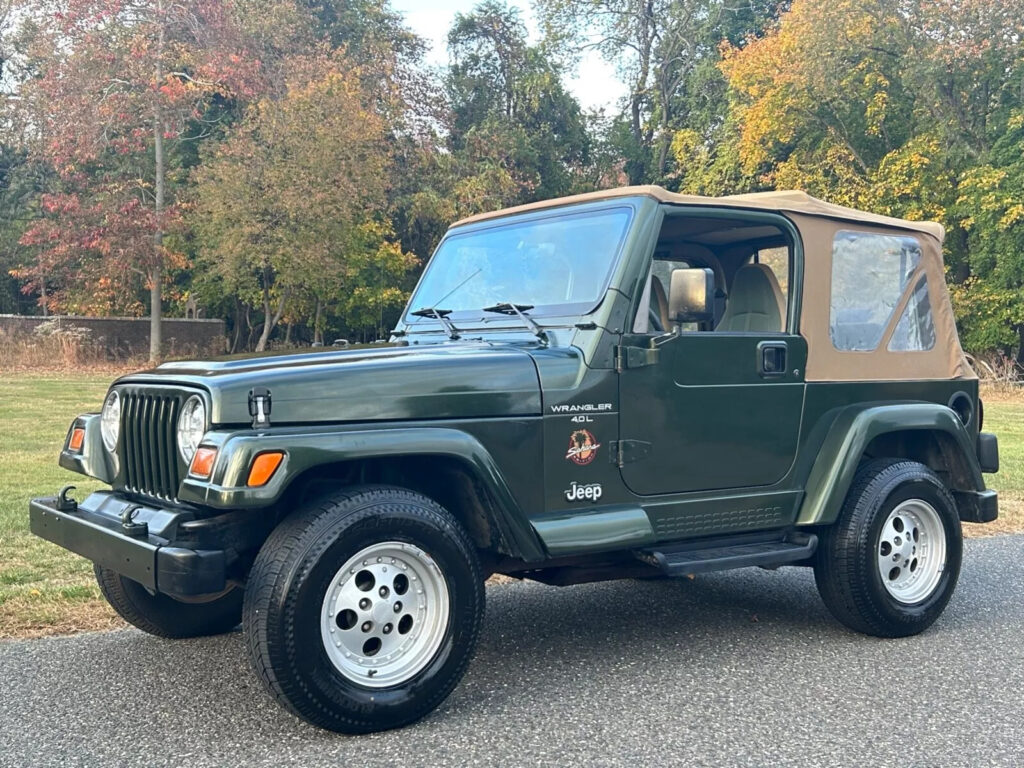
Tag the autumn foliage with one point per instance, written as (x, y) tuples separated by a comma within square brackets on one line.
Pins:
[(284, 208), (290, 164), (912, 109)]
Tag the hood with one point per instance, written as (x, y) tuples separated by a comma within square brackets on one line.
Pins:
[(443, 381)]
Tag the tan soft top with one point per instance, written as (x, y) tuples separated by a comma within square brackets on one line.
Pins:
[(818, 223), (792, 201)]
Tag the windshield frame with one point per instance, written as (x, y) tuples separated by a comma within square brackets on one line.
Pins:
[(466, 318)]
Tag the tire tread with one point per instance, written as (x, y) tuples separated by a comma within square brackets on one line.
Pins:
[(162, 616)]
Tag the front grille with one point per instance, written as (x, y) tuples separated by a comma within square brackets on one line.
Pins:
[(148, 435)]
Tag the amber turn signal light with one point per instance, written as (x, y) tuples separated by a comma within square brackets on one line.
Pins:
[(263, 468), (77, 438), (202, 462)]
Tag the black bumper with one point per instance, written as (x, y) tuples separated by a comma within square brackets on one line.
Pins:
[(988, 452), (977, 506), (95, 530)]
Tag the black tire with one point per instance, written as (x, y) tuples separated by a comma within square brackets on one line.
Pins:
[(164, 616), (846, 569), (285, 595)]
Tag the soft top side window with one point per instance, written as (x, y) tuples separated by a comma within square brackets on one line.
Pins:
[(870, 276), (915, 332)]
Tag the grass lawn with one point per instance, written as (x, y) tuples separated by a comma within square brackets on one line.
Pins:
[(1004, 415), (47, 590), (43, 588)]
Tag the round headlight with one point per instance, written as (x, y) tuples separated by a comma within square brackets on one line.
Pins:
[(191, 427), (110, 420)]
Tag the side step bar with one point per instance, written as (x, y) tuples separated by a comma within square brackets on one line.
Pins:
[(725, 554)]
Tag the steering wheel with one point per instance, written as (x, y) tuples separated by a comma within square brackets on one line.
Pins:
[(654, 320)]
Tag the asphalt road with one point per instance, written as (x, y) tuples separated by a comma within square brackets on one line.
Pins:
[(745, 668)]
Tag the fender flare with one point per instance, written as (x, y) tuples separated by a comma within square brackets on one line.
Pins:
[(853, 430), (309, 448)]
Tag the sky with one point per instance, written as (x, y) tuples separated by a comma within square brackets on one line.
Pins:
[(594, 84)]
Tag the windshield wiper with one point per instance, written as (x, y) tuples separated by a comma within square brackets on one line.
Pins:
[(508, 308), (442, 315)]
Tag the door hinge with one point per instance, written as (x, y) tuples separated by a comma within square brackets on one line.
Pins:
[(634, 357), (627, 451)]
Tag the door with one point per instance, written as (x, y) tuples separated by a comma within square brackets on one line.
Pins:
[(715, 410)]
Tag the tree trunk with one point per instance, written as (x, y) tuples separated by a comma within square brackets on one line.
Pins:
[(318, 333), (156, 273), (288, 334), (250, 328), (636, 167), (270, 321), (238, 327), (155, 315)]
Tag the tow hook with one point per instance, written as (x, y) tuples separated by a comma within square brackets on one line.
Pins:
[(64, 502), (128, 524)]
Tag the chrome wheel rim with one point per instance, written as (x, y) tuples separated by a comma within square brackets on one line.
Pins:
[(911, 551), (385, 614)]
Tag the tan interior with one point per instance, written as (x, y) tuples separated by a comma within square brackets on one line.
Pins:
[(755, 302), (818, 222)]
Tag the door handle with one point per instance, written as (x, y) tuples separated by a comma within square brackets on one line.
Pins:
[(771, 358)]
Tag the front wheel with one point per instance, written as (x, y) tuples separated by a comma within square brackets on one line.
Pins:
[(888, 566), (362, 612)]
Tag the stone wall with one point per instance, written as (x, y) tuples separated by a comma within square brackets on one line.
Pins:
[(129, 336)]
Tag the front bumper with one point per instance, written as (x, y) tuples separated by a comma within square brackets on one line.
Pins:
[(98, 529)]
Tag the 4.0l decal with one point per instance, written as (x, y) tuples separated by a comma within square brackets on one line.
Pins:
[(582, 447)]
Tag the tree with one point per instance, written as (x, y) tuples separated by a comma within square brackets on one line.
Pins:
[(910, 109), (666, 51), (120, 84), (292, 204), (990, 201), (517, 134)]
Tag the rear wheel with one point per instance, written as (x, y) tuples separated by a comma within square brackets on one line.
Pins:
[(890, 563), (363, 611), (164, 616)]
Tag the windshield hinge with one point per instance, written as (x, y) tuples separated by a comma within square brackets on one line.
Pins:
[(634, 357), (626, 451)]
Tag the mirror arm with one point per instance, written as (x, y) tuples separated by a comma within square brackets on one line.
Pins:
[(677, 330)]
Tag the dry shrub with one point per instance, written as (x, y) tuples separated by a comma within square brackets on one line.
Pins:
[(996, 367), (1001, 376), (56, 346)]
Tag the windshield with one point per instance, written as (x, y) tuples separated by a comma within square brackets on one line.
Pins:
[(558, 266)]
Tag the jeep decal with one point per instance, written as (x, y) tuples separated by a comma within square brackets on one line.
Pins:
[(580, 492)]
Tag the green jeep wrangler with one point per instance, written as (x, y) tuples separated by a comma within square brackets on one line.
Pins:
[(630, 383)]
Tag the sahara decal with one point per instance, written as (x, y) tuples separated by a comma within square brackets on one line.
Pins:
[(581, 408), (580, 492), (582, 447)]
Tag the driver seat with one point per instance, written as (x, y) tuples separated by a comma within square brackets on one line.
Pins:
[(659, 302), (755, 301)]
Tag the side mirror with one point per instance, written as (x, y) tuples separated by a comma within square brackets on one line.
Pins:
[(691, 297)]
